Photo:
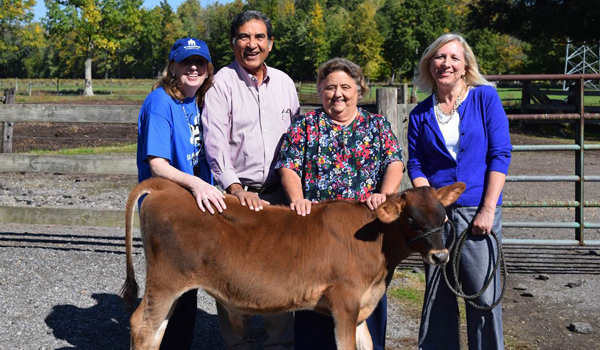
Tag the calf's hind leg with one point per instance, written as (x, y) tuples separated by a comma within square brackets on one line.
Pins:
[(363, 337), (149, 321)]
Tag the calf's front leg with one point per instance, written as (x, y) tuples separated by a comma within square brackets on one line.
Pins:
[(345, 317)]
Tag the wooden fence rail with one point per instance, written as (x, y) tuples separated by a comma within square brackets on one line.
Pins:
[(11, 113), (52, 113), (95, 164)]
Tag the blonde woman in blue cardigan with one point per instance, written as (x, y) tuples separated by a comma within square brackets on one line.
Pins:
[(460, 133)]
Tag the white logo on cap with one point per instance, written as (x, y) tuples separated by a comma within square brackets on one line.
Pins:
[(191, 45)]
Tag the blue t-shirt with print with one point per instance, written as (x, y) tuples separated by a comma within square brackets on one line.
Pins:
[(171, 129)]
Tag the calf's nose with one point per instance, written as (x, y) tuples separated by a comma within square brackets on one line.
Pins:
[(440, 257)]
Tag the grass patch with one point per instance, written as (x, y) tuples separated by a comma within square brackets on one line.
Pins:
[(409, 289), (132, 148)]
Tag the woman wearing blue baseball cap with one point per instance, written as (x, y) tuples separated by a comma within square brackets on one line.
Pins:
[(170, 145)]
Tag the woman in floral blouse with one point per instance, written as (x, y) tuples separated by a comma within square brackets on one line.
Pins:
[(344, 152)]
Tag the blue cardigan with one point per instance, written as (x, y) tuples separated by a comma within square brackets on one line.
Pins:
[(484, 145)]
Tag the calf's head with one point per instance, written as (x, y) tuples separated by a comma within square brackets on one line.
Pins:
[(421, 214)]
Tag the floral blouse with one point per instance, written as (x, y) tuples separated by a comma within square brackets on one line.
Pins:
[(337, 161)]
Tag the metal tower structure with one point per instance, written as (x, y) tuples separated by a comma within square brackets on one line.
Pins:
[(582, 59)]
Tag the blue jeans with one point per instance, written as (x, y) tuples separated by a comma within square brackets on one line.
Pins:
[(440, 316)]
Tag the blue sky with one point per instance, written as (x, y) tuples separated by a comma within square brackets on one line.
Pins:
[(40, 9)]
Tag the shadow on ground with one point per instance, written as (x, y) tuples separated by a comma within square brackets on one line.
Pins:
[(106, 326)]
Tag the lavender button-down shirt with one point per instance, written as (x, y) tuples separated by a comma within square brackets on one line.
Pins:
[(243, 124)]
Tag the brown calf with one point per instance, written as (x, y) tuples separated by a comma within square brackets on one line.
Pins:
[(338, 260)]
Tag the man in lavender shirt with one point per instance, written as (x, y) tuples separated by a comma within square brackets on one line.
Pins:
[(245, 115)]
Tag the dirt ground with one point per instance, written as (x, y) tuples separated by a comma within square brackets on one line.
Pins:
[(538, 311), (56, 136)]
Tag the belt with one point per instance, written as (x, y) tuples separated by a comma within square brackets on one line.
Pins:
[(262, 189)]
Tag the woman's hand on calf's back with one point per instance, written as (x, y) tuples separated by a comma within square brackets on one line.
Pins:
[(302, 206), (208, 196)]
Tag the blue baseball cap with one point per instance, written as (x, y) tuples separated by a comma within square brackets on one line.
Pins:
[(186, 47)]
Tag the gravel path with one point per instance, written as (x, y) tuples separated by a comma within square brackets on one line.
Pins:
[(59, 290)]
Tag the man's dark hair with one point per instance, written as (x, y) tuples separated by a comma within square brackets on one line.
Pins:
[(246, 16)]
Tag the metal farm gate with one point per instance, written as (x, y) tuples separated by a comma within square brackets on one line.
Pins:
[(569, 110)]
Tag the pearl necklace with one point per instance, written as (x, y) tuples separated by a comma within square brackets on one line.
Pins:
[(444, 118)]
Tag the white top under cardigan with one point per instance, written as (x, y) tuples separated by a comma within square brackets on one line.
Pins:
[(451, 131)]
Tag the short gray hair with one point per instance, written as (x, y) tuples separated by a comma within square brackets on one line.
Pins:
[(341, 64)]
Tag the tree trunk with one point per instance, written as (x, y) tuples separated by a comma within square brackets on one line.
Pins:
[(88, 91)]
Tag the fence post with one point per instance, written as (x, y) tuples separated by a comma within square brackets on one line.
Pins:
[(403, 97), (29, 88), (579, 163), (7, 127), (9, 96), (525, 96), (387, 105)]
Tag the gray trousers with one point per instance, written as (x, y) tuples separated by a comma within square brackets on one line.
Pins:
[(440, 315), (280, 328)]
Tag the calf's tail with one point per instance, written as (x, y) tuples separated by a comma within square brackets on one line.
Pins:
[(129, 291)]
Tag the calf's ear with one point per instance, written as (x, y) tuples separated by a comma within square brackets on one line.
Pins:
[(390, 210), (449, 194)]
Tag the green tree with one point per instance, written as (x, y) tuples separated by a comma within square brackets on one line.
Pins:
[(62, 54), (15, 16), (545, 57), (172, 29), (336, 23), (317, 48), (497, 53), (218, 23), (268, 7), (125, 17), (289, 50), (349, 5), (149, 50), (161, 27), (34, 50), (94, 25), (190, 13), (364, 41), (409, 26), (536, 20)]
